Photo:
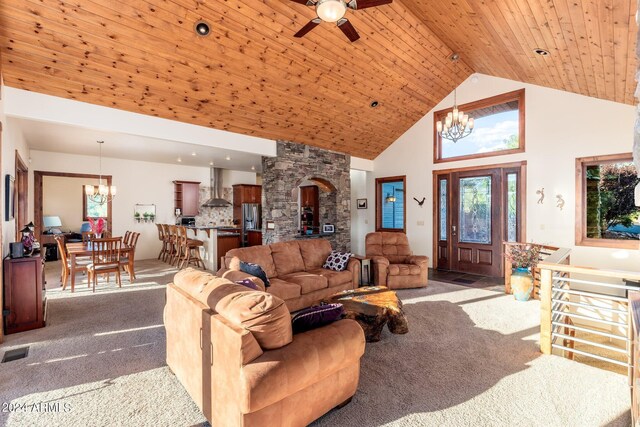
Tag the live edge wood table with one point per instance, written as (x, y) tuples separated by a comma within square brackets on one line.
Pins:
[(373, 307)]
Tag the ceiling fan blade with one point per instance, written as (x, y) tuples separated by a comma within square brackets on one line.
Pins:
[(310, 26), (347, 28), (363, 4), (305, 2)]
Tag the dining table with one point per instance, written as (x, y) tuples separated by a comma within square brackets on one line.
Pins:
[(79, 249)]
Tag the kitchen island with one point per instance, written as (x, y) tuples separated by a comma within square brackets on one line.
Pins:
[(217, 241)]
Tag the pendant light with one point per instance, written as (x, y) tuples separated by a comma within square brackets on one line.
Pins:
[(100, 193), (456, 124)]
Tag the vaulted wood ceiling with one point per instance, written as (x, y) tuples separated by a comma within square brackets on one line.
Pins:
[(251, 76)]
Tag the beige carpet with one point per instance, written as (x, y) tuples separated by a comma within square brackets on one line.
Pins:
[(470, 358)]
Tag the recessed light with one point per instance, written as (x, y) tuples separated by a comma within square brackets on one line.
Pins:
[(202, 28), (193, 154), (541, 52), (474, 79), (228, 157), (210, 163), (253, 168), (179, 159), (374, 104)]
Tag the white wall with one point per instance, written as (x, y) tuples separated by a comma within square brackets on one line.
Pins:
[(62, 196), (359, 216), (12, 141), (136, 182), (560, 126)]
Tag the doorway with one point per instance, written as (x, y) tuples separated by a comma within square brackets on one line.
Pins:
[(77, 193), (476, 210), (21, 194)]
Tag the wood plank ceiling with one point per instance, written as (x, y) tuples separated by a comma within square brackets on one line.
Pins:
[(251, 76)]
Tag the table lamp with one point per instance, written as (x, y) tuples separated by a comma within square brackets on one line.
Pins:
[(51, 221)]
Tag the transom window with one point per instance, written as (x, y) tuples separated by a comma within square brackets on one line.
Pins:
[(498, 129), (390, 203), (606, 214)]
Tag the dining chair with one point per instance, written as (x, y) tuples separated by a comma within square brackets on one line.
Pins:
[(127, 261), (105, 259), (189, 249), (65, 262), (125, 239), (87, 236)]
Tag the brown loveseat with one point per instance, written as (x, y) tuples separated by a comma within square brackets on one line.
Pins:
[(394, 265), (233, 350), (294, 270)]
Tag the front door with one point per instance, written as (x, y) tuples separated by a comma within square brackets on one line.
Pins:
[(475, 222), (477, 210)]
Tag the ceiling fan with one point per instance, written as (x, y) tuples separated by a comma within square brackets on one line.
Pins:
[(333, 11)]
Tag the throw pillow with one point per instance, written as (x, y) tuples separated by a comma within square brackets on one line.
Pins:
[(337, 261), (254, 270), (315, 317), (248, 283)]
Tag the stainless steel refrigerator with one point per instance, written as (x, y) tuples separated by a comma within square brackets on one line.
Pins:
[(251, 219)]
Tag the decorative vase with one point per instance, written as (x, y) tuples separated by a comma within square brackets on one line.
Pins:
[(98, 235), (521, 283)]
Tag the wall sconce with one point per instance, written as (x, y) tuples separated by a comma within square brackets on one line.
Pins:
[(390, 198)]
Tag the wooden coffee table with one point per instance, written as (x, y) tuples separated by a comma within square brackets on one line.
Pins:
[(373, 307)]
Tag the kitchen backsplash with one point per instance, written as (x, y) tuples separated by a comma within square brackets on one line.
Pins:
[(215, 216)]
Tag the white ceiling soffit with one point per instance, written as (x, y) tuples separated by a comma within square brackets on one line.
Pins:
[(46, 136)]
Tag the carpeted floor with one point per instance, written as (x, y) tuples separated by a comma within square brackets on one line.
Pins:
[(470, 358)]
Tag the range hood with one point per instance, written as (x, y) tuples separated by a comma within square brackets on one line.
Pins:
[(216, 200)]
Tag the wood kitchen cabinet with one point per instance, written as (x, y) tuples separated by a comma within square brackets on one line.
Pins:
[(225, 244), (310, 200), (254, 238), (244, 193), (187, 197), (24, 305)]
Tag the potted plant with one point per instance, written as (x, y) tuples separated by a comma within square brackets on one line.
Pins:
[(152, 217), (146, 216), (136, 216), (523, 258)]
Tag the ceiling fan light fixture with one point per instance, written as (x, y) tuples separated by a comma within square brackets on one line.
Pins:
[(331, 10)]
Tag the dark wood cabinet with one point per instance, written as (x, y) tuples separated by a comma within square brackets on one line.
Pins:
[(310, 203), (245, 193), (24, 305), (225, 244), (254, 238), (187, 197)]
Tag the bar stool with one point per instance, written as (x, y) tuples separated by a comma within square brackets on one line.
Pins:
[(174, 248), (164, 239), (189, 249)]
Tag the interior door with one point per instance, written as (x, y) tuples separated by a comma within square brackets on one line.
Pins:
[(476, 225)]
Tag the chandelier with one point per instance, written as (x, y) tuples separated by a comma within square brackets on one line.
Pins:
[(456, 125), (100, 193)]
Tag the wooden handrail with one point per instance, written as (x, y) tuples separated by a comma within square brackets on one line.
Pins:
[(591, 271)]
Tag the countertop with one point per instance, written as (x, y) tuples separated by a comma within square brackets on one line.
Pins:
[(313, 236)]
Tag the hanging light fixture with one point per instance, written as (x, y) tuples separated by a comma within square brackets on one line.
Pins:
[(391, 198), (100, 193), (456, 124)]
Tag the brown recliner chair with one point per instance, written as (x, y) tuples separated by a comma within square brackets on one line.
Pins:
[(393, 264)]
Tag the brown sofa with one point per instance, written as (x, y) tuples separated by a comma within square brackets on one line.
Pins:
[(394, 265), (233, 350), (294, 270)]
